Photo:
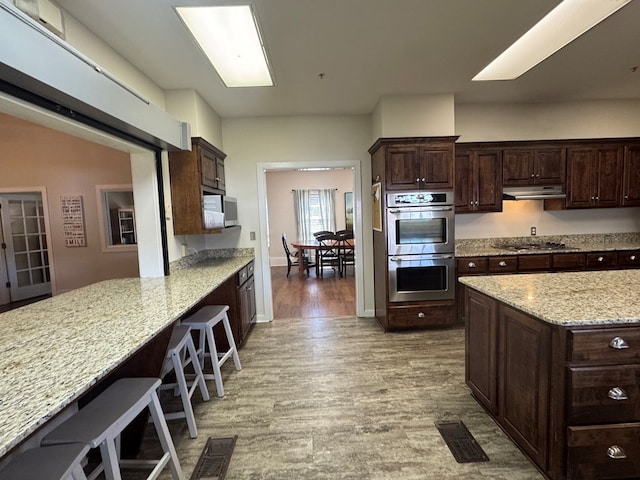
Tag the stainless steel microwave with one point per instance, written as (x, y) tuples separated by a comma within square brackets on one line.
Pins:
[(219, 211)]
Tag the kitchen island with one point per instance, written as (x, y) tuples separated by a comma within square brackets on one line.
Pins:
[(55, 351), (555, 359)]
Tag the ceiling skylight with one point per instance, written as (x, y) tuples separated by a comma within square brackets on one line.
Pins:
[(230, 39), (562, 25)]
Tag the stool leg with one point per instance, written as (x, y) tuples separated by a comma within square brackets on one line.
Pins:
[(213, 351), (110, 457), (165, 437), (204, 391), (184, 393), (78, 473), (231, 341)]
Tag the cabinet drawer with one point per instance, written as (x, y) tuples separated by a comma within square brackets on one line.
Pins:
[(568, 261), (242, 275), (629, 259), (503, 264), (421, 316), (532, 263), (611, 345), (471, 265), (602, 260), (603, 452), (604, 394)]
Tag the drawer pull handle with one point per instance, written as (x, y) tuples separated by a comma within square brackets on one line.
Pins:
[(472, 265), (421, 315), (618, 343), (601, 259), (632, 258), (502, 263), (617, 393), (616, 452)]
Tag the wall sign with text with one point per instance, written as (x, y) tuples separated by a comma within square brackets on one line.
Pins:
[(73, 221)]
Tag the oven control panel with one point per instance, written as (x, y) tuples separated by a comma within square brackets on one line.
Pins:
[(419, 198)]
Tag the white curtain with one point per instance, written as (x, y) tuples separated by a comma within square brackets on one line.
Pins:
[(310, 219)]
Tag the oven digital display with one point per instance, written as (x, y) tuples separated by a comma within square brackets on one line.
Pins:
[(420, 231)]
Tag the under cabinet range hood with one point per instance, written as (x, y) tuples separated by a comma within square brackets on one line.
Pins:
[(533, 192)]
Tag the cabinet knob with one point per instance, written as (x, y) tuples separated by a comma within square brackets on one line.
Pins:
[(593, 198), (421, 315), (217, 179), (417, 180), (533, 175), (597, 199), (626, 197), (424, 180), (472, 265), (502, 263), (601, 259), (632, 258), (618, 343), (617, 393), (476, 202), (537, 175), (616, 452)]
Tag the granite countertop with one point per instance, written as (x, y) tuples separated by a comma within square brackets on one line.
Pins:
[(572, 298), (483, 247), (54, 350)]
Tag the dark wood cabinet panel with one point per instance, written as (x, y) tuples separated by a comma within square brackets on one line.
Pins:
[(630, 259), (524, 361), (431, 314), (531, 166), (568, 261), (478, 175), (192, 173), (504, 264), (534, 263), (595, 176), (631, 182), (414, 163), (481, 350)]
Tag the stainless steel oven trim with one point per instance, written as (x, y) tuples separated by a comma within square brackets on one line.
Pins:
[(446, 260)]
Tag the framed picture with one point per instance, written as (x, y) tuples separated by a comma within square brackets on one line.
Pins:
[(377, 207), (348, 210)]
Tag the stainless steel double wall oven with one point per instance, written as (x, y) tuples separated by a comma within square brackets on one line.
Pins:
[(420, 246)]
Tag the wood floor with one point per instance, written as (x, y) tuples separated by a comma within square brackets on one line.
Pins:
[(312, 297)]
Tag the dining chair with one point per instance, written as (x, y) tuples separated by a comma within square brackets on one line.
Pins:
[(328, 253), (321, 232), (346, 252), (292, 257)]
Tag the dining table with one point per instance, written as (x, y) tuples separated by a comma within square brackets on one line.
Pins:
[(313, 244)]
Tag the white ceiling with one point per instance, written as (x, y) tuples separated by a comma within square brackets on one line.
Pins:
[(370, 48)]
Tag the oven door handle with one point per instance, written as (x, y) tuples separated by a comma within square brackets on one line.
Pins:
[(409, 257), (420, 209)]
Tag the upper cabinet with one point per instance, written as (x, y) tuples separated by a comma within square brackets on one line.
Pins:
[(631, 183), (533, 166), (594, 176), (192, 174), (477, 180), (414, 163)]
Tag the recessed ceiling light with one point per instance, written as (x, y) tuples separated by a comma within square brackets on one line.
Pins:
[(562, 25), (229, 37)]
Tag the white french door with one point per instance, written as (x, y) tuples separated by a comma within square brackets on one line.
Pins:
[(24, 247)]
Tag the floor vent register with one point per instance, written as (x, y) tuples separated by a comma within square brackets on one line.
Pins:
[(214, 459), (463, 446)]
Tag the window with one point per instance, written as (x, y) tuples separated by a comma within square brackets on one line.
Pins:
[(315, 211)]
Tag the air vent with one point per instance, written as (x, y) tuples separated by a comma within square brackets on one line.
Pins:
[(44, 12)]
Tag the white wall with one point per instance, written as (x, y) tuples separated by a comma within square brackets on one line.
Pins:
[(188, 106), (413, 116), (568, 120), (312, 139)]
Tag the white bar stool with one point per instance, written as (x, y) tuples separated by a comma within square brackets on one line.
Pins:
[(101, 421), (204, 320), (58, 462), (180, 353)]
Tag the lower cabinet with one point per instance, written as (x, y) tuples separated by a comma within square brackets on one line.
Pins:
[(567, 396), (237, 292)]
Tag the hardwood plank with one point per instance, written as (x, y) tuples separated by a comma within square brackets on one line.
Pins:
[(312, 297)]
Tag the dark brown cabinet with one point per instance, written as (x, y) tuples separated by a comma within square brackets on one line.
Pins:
[(481, 350), (568, 396), (594, 176), (414, 163), (246, 299), (478, 186), (533, 166), (193, 174), (631, 180)]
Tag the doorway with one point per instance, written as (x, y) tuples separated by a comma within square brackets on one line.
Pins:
[(24, 258), (271, 237)]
